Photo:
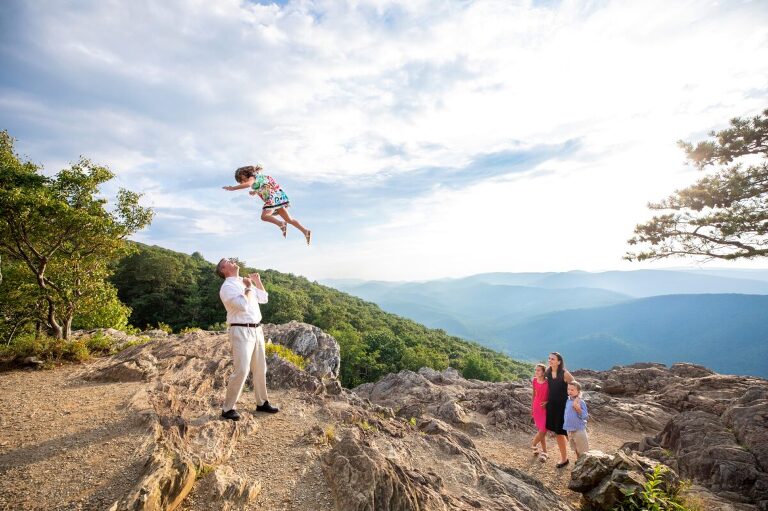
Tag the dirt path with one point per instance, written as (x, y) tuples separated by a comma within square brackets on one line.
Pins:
[(66, 444), (513, 449)]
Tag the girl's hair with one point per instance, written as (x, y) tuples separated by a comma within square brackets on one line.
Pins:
[(244, 173), (560, 367), (543, 368), (577, 385)]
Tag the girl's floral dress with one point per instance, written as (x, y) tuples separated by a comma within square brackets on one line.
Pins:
[(270, 192)]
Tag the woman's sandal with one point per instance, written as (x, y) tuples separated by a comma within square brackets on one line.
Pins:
[(284, 229), (308, 236), (563, 464)]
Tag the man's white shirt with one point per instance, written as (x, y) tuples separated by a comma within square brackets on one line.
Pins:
[(241, 307)]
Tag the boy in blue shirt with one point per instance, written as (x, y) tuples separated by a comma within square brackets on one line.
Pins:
[(576, 419)]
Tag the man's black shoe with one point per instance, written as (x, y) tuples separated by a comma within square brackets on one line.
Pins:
[(231, 415), (266, 407)]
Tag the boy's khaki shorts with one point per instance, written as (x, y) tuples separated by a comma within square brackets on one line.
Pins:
[(579, 442)]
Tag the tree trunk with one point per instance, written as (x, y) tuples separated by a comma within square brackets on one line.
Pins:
[(53, 326)]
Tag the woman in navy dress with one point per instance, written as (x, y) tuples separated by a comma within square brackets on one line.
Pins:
[(558, 379)]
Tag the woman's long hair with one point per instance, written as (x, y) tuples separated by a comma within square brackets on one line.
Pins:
[(560, 366)]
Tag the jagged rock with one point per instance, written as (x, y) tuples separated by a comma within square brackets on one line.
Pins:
[(603, 479), (686, 370), (320, 349), (166, 479), (282, 374), (365, 474), (749, 421), (362, 479), (450, 397), (223, 490), (709, 454), (33, 362)]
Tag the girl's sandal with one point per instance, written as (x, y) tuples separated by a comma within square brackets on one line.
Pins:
[(543, 457), (308, 236), (284, 229), (535, 449)]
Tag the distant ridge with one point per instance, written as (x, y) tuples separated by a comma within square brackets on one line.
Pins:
[(717, 318)]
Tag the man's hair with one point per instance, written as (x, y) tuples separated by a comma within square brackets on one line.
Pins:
[(218, 269)]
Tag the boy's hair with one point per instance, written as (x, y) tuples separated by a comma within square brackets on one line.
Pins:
[(577, 385), (245, 172)]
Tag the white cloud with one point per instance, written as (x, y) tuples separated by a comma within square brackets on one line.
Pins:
[(330, 91)]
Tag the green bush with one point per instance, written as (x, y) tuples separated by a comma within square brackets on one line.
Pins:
[(165, 327), (654, 496), (47, 349), (100, 344), (286, 354)]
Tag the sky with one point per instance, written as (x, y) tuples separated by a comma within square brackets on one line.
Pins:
[(417, 139)]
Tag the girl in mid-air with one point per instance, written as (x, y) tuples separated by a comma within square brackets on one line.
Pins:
[(275, 199)]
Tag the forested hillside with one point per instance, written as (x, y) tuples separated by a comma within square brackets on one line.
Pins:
[(162, 286)]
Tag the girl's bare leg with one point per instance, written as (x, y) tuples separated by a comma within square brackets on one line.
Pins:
[(266, 215), (288, 219), (540, 438)]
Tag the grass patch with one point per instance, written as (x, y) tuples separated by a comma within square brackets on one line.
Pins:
[(286, 354), (330, 434)]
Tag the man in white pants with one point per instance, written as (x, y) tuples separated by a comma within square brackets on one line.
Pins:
[(241, 297)]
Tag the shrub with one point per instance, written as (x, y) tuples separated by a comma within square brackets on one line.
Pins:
[(47, 349), (654, 495), (165, 327), (190, 329), (286, 354), (101, 344), (141, 340)]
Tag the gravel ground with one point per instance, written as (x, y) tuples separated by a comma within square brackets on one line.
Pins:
[(66, 444)]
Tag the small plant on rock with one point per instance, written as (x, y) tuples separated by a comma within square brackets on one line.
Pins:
[(286, 354), (653, 496)]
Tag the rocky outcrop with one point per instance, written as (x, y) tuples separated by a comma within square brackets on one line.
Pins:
[(712, 428), (371, 472), (186, 377), (320, 349), (605, 479), (448, 396), (702, 448), (408, 440)]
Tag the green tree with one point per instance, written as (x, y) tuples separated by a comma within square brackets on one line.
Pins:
[(61, 231), (479, 368), (19, 300), (723, 215)]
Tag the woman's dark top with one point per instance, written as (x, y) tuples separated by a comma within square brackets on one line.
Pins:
[(558, 396)]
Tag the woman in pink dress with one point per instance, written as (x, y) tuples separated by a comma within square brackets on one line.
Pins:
[(539, 412)]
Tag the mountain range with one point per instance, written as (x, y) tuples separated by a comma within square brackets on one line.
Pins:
[(712, 317)]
